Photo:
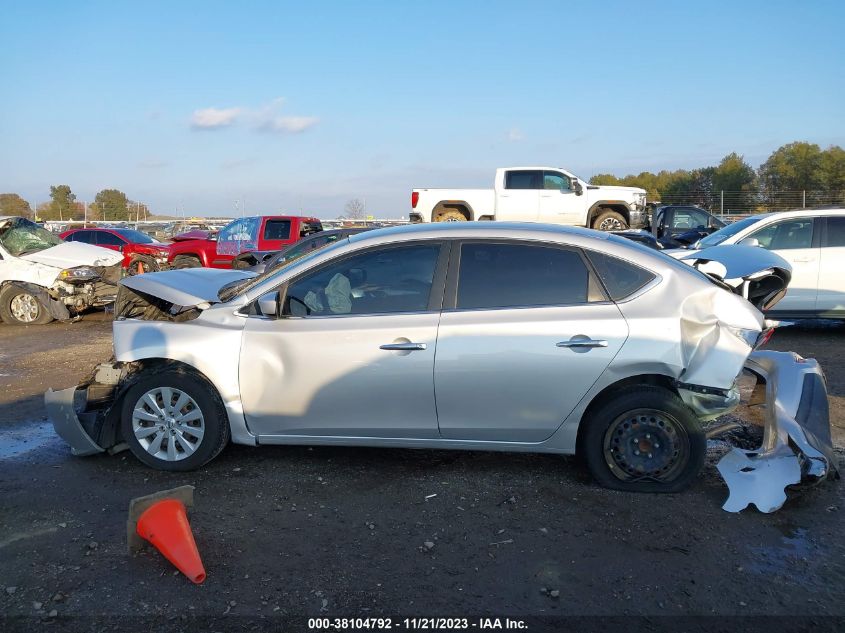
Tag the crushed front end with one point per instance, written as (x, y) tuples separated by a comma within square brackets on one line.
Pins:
[(797, 445)]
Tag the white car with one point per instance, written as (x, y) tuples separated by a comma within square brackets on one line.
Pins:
[(43, 278), (811, 240), (535, 194), (485, 336)]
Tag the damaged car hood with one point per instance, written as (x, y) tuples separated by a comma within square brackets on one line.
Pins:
[(186, 287), (754, 273), (72, 254)]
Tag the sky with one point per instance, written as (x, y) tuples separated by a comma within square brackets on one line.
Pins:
[(221, 108)]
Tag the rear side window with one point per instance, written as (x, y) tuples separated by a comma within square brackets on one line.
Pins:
[(108, 239), (513, 275), (277, 230), (523, 179), (620, 278), (835, 232)]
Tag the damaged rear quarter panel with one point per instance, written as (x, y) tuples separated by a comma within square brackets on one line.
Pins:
[(218, 329)]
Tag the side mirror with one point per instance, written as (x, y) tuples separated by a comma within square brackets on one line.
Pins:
[(268, 304), (577, 188), (750, 241)]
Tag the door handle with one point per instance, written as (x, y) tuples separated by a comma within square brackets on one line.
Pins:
[(403, 347), (803, 260), (582, 343)]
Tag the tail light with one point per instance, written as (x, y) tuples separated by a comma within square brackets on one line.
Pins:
[(415, 197)]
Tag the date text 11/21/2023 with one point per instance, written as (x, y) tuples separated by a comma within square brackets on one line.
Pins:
[(414, 624)]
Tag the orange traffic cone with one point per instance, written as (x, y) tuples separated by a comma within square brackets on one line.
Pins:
[(165, 525), (140, 268)]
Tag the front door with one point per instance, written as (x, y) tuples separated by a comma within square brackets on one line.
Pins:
[(558, 202), (528, 335), (794, 240), (519, 199), (353, 352)]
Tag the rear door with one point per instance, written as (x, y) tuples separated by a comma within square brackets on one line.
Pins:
[(798, 242), (519, 198), (558, 202), (831, 294), (525, 332)]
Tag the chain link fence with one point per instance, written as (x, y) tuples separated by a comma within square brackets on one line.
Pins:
[(744, 202)]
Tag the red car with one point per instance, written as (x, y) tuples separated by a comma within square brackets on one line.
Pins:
[(141, 253), (256, 233)]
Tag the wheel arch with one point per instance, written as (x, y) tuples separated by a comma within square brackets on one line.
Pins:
[(652, 380), (608, 205), (462, 206)]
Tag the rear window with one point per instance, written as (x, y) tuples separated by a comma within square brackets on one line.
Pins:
[(523, 179), (277, 230), (620, 278)]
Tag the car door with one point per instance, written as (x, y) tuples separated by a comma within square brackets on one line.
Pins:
[(797, 241), (558, 202), (831, 294), (519, 199), (524, 334), (352, 353)]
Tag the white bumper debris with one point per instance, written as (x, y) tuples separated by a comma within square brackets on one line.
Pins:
[(796, 438)]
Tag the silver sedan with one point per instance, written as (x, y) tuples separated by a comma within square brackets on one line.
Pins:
[(478, 336)]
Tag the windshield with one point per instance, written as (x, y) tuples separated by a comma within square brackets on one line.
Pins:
[(20, 236), (714, 239), (136, 237), (235, 288)]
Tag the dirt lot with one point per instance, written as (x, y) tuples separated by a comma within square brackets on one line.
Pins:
[(288, 533)]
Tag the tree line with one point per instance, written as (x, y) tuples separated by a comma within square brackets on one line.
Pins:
[(109, 204), (794, 175)]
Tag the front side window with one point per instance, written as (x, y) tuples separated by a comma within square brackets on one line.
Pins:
[(277, 230), (689, 219), (108, 239), (238, 237), (500, 275), (786, 235), (523, 179), (556, 181), (379, 281)]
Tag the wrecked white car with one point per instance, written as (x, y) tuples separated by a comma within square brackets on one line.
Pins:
[(484, 336), (43, 278)]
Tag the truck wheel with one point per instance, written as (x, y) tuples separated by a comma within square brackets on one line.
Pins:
[(452, 215), (141, 264), (20, 307), (186, 261), (610, 221), (243, 263), (174, 420), (644, 439)]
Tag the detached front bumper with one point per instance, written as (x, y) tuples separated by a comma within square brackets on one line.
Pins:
[(797, 444)]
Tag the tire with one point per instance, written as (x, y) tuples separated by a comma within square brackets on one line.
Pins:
[(149, 437), (186, 261), (452, 215), (623, 437), (19, 306), (149, 264), (610, 221)]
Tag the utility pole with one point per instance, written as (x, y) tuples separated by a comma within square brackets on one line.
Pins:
[(804, 199), (85, 220), (722, 204)]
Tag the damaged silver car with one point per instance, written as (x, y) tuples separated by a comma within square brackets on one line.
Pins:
[(481, 336), (43, 278)]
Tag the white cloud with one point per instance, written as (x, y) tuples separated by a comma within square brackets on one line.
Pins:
[(288, 124), (515, 135), (266, 118), (212, 118)]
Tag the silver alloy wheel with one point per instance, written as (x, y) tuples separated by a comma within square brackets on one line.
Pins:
[(611, 224), (168, 423), (25, 308)]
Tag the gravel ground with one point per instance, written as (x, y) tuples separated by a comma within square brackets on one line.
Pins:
[(288, 533)]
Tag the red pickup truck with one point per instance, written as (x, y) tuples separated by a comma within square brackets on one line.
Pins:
[(256, 233)]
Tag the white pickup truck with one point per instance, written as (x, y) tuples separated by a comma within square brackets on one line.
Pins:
[(535, 194)]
